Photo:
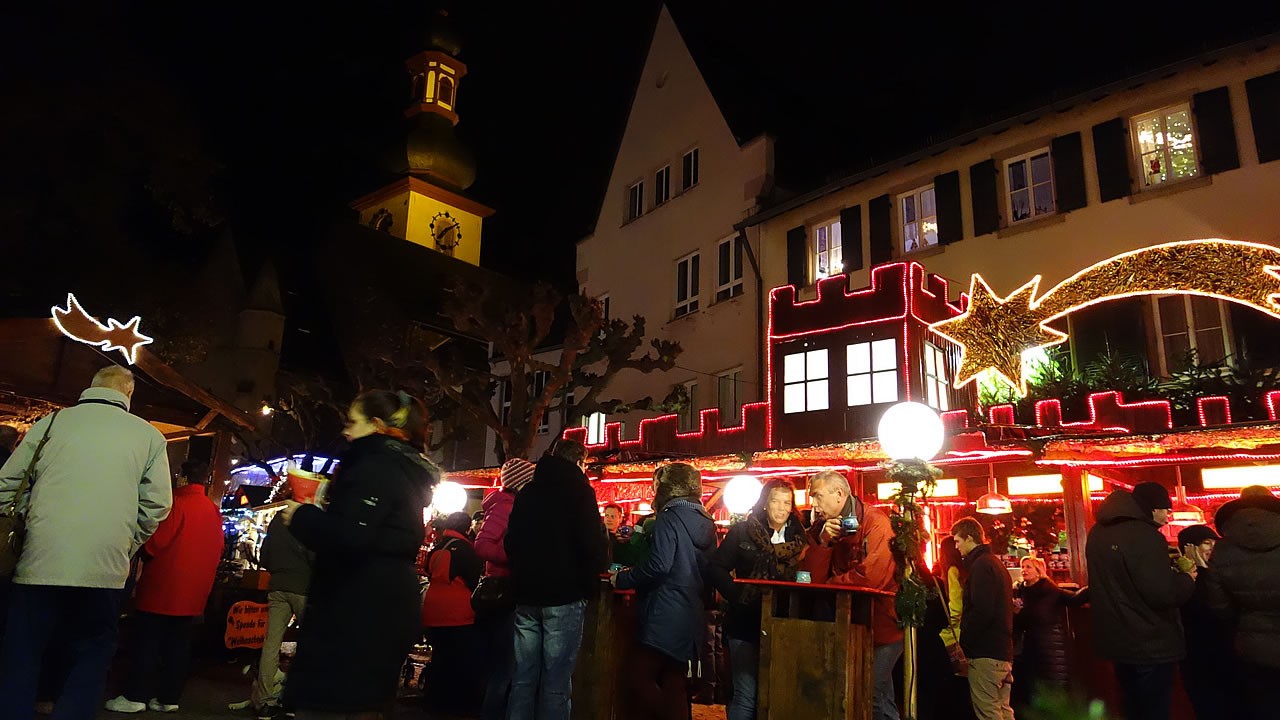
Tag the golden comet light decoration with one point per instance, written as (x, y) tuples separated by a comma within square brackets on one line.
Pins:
[(993, 332)]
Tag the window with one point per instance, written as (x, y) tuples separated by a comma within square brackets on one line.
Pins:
[(1190, 323), (935, 377), (662, 186), (540, 380), (635, 201), (828, 260), (690, 175), (729, 269), (919, 219), (729, 396), (1030, 185), (1164, 145), (805, 387), (595, 428), (688, 417), (604, 306), (504, 414), (687, 285), (873, 372)]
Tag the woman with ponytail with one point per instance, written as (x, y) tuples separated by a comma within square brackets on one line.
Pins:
[(363, 609)]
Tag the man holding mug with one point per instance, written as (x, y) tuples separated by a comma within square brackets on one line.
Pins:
[(852, 545)]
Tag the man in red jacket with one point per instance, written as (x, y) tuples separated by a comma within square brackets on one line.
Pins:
[(180, 562), (858, 552)]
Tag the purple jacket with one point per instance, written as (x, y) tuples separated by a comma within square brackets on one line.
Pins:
[(488, 545)]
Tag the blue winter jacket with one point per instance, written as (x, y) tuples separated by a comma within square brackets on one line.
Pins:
[(670, 585)]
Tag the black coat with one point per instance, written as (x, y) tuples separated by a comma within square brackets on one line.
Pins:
[(555, 539), (1244, 581), (740, 555), (986, 625), (1042, 625), (1134, 591), (364, 607)]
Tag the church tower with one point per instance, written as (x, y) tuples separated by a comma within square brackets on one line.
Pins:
[(426, 206)]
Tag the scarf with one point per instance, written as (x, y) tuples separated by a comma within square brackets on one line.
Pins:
[(772, 562)]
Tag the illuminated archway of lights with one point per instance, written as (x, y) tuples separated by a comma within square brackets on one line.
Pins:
[(994, 332)]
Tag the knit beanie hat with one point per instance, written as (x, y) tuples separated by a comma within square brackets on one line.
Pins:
[(1152, 496), (515, 474), (1195, 535)]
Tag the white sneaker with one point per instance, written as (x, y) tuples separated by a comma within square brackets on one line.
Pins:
[(123, 704), (157, 706)]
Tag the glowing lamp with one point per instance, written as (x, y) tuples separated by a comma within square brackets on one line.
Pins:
[(644, 509), (450, 497), (741, 494), (993, 503), (1231, 478), (910, 431)]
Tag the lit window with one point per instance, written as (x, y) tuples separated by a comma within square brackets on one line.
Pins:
[(687, 270), (805, 384), (1187, 326), (935, 377), (604, 305), (662, 186), (873, 372), (729, 269), (540, 380), (444, 93), (729, 396), (1030, 185), (690, 167), (828, 259), (635, 201), (688, 418), (1164, 145), (919, 219), (595, 428)]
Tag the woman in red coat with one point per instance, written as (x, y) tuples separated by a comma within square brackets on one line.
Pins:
[(453, 677), (179, 565)]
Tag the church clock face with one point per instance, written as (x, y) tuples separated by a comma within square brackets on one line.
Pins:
[(444, 229)]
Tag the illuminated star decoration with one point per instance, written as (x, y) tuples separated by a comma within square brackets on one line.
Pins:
[(994, 332), (80, 326)]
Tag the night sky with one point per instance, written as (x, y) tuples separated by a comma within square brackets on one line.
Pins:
[(297, 107)]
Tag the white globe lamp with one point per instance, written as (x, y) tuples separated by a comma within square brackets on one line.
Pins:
[(741, 494), (449, 497), (910, 431)]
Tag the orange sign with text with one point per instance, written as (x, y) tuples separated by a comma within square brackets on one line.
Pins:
[(246, 625)]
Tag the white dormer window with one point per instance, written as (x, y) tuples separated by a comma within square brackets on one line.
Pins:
[(806, 384)]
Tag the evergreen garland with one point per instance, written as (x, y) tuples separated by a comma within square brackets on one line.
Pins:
[(917, 479)]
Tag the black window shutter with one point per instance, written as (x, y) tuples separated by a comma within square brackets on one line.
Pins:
[(946, 189), (1216, 130), (851, 237), (1264, 111), (797, 257), (1067, 152), (1111, 151), (985, 197), (880, 221)]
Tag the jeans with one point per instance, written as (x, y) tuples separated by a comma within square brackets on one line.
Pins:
[(1146, 691), (159, 657), (89, 617), (499, 632), (990, 688), (884, 703), (281, 608), (744, 667), (547, 640)]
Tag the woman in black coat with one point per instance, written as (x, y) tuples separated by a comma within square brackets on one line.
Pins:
[(1041, 623), (364, 606), (768, 545)]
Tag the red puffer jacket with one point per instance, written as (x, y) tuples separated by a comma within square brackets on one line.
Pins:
[(183, 557), (454, 570)]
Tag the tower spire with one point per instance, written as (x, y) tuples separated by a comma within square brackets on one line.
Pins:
[(432, 147)]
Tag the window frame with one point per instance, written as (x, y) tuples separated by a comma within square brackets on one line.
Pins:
[(504, 402), (808, 383), (693, 288), (541, 377), (736, 284), (689, 176), (595, 423), (815, 256), (920, 220), (939, 383), (872, 372), (662, 186), (687, 420), (635, 200), (1030, 187), (1135, 149), (734, 378), (1224, 315)]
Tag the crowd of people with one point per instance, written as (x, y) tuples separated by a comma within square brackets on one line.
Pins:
[(507, 590)]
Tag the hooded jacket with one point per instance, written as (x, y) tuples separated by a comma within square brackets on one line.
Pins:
[(489, 542), (1244, 580), (671, 582), (454, 571), (1134, 591), (182, 557)]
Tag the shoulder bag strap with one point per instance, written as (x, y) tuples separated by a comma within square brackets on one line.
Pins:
[(29, 476)]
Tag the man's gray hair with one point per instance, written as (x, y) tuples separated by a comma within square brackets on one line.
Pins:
[(114, 377), (830, 477)]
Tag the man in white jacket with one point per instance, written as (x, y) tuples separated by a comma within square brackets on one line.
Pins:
[(101, 487)]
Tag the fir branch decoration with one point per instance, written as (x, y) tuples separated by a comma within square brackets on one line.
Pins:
[(918, 480)]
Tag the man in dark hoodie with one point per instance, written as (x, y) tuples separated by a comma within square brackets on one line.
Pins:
[(670, 586), (556, 548), (1135, 594), (1244, 588)]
